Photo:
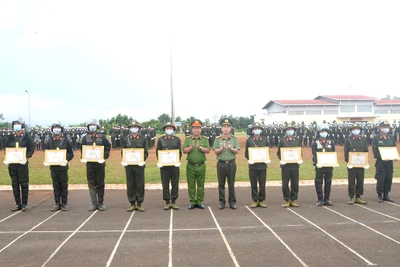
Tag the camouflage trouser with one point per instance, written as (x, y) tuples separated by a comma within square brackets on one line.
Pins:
[(322, 174), (20, 182)]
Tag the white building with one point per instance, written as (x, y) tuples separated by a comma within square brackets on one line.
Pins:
[(339, 108)]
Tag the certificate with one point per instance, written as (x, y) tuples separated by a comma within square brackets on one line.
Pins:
[(259, 154), (389, 152), (15, 155), (55, 157), (168, 157), (291, 154), (327, 159), (92, 153), (133, 156), (358, 159)]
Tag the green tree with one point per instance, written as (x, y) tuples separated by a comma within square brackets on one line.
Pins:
[(164, 118)]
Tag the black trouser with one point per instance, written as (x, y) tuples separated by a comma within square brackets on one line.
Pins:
[(290, 173), (95, 173), (355, 182), (20, 182), (321, 174), (135, 183), (60, 184), (383, 176), (170, 173), (258, 178), (226, 171)]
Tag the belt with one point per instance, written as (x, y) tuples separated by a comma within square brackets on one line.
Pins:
[(196, 165), (227, 161)]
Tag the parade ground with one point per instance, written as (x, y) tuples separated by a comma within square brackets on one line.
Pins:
[(341, 235)]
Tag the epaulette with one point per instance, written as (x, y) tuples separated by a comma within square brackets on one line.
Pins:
[(219, 136), (203, 136)]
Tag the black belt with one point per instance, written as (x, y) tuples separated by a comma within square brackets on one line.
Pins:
[(196, 165), (227, 161)]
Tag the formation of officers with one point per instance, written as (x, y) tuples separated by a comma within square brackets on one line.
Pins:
[(225, 145)]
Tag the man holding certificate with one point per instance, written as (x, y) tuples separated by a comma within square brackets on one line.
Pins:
[(323, 174), (257, 164), (134, 153), (19, 147), (196, 146), (95, 149), (384, 166), (169, 154), (59, 172), (355, 174), (290, 156)]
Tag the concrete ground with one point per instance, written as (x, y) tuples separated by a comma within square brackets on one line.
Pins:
[(341, 235)]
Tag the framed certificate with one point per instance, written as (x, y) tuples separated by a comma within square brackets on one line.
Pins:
[(133, 156), (389, 153), (15, 155), (358, 159), (55, 157), (92, 153), (291, 154), (259, 154), (327, 159), (168, 157)]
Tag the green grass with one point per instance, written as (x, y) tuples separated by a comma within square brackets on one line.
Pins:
[(115, 173)]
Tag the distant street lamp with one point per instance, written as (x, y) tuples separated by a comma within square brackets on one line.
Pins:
[(29, 107)]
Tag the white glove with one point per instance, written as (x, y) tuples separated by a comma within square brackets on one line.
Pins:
[(46, 164), (300, 162), (159, 165), (83, 160), (250, 162), (337, 165), (141, 164), (101, 161), (366, 167), (282, 162), (64, 163), (350, 166), (6, 162), (267, 161), (23, 162), (177, 165), (318, 166), (124, 164)]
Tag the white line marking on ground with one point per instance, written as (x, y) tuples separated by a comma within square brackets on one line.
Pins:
[(170, 239), (68, 238), (366, 226), (334, 238), (394, 204), (225, 240), (378, 212), (119, 240), (277, 236), (6, 218), (37, 225)]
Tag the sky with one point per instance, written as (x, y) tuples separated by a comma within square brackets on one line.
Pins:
[(75, 60)]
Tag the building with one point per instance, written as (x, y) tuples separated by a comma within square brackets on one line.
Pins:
[(339, 108)]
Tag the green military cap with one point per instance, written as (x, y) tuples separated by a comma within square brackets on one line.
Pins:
[(292, 126), (134, 124), (196, 123), (169, 124), (225, 121), (356, 125), (256, 125), (384, 124)]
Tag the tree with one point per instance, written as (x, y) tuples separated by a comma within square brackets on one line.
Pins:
[(164, 118), (1, 116)]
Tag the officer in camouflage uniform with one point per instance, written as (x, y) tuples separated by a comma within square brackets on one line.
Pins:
[(384, 168), (95, 171), (290, 171), (355, 175), (196, 146), (135, 173), (169, 173), (59, 173), (19, 172)]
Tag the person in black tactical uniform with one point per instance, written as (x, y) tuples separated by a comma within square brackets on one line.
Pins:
[(59, 173), (95, 171), (19, 172), (323, 175)]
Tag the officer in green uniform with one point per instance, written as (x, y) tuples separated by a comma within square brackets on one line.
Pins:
[(226, 146), (169, 173), (384, 168), (96, 171), (257, 171), (290, 171), (135, 173), (59, 173), (19, 172), (196, 146), (355, 175)]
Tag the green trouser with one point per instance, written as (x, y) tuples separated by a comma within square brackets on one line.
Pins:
[(135, 183), (196, 176)]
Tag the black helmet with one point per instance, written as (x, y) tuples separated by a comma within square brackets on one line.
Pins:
[(59, 124), (92, 121), (20, 120)]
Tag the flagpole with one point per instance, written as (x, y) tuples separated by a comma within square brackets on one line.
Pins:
[(172, 89)]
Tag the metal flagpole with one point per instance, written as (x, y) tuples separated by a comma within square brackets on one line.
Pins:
[(172, 89)]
